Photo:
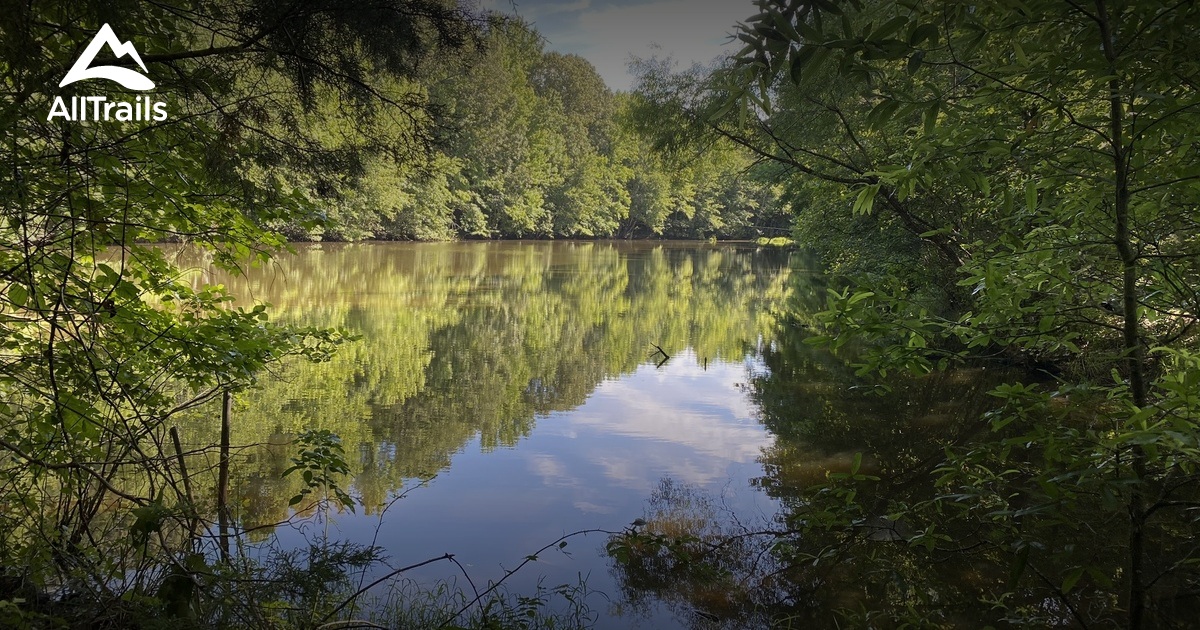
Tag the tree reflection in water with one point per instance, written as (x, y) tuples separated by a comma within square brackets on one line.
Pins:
[(846, 457), (920, 506), (465, 341)]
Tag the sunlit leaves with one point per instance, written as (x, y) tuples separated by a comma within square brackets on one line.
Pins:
[(104, 344)]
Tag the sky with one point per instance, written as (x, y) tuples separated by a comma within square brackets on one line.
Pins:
[(607, 32)]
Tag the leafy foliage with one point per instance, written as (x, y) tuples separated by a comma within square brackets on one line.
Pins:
[(532, 144), (321, 460), (103, 345), (1012, 183)]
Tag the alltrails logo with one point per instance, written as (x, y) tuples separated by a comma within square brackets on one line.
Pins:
[(99, 107)]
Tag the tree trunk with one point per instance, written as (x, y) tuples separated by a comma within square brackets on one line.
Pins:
[(223, 476), (1132, 352)]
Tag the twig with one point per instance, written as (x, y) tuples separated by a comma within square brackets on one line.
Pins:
[(349, 623), (348, 600), (666, 357), (193, 518), (529, 558), (466, 575)]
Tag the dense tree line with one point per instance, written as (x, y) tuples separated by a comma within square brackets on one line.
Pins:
[(530, 143)]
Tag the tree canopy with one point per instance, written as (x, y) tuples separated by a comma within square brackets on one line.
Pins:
[(534, 145), (997, 184), (103, 345)]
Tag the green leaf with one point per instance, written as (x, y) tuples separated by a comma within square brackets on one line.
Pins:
[(1018, 567), (914, 61), (889, 27), (865, 200), (1071, 579), (931, 115), (882, 113), (1020, 52), (809, 32), (721, 111), (923, 32), (858, 297), (798, 60), (18, 294)]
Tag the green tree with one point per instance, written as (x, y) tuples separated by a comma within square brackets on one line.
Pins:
[(532, 144), (1013, 182), (1054, 139), (699, 183), (103, 345)]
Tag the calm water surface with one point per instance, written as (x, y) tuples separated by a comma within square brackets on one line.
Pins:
[(512, 392)]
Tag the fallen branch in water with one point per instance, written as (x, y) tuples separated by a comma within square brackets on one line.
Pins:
[(666, 357)]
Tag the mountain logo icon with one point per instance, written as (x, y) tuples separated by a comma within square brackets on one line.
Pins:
[(125, 76)]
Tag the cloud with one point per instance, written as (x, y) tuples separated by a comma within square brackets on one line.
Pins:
[(551, 470), (681, 421), (543, 10), (690, 31), (593, 508), (532, 9)]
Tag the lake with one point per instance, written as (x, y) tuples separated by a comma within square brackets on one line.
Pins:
[(503, 394)]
